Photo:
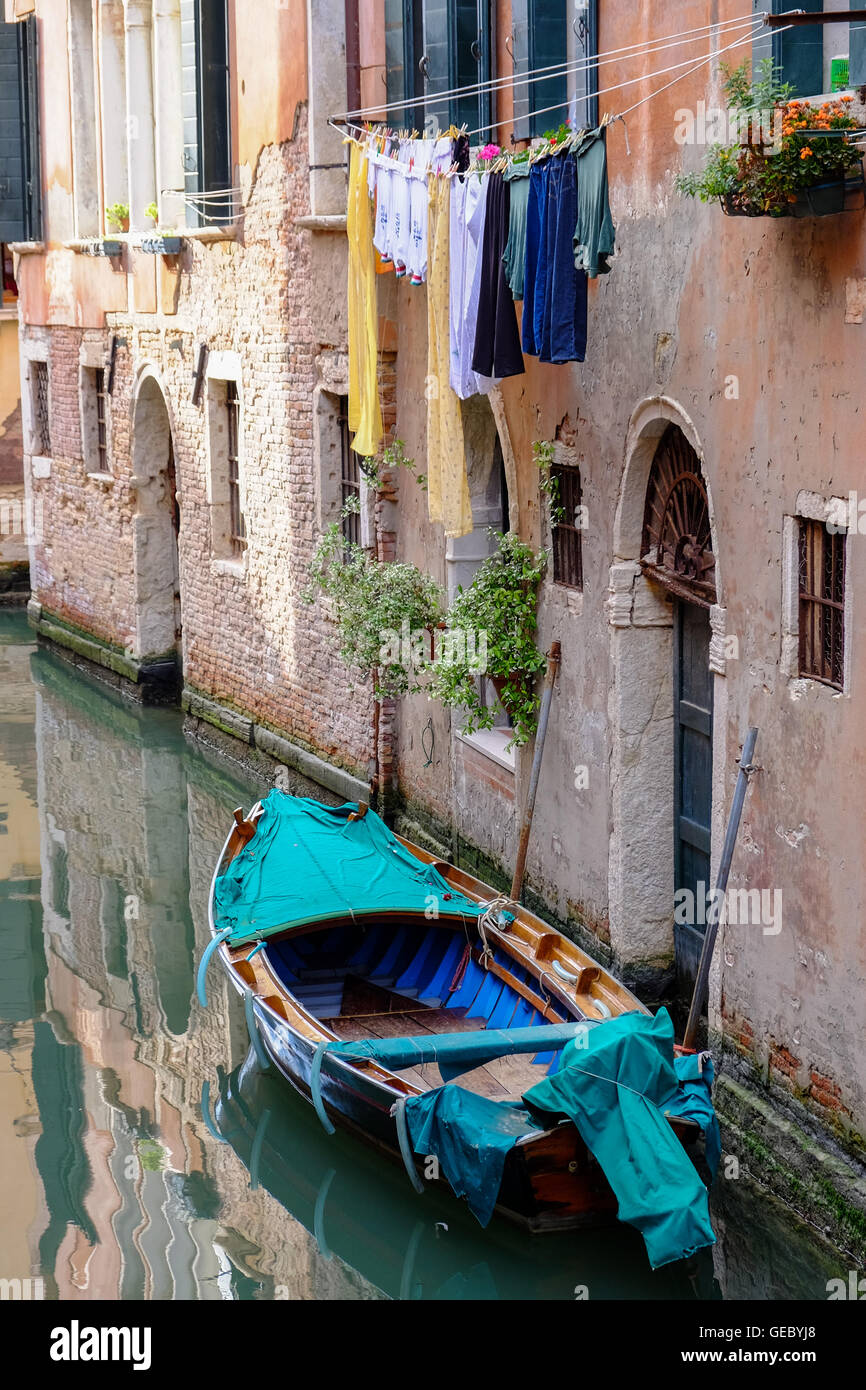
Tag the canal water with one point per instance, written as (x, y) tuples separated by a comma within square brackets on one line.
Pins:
[(143, 1154)]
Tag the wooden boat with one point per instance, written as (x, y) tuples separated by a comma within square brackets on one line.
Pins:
[(399, 974), (364, 1211)]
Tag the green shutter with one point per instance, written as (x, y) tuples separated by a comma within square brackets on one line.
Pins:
[(799, 52), (20, 176), (548, 45)]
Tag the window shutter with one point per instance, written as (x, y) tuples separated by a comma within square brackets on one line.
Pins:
[(548, 46), (29, 85), (20, 181), (857, 52), (800, 50), (213, 68)]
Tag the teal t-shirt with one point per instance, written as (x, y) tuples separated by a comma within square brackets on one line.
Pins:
[(514, 257), (594, 233)]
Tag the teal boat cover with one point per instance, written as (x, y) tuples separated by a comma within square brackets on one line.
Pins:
[(309, 863), (456, 1053), (617, 1082)]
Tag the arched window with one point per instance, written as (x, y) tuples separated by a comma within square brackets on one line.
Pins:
[(677, 543)]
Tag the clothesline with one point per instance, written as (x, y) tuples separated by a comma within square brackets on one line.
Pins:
[(690, 64), (646, 48)]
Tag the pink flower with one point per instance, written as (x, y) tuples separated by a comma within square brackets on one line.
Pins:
[(489, 152)]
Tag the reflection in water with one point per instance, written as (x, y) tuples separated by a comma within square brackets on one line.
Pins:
[(118, 1181)]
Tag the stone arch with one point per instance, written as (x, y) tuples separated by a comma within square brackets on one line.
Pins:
[(155, 523), (648, 423), (641, 618)]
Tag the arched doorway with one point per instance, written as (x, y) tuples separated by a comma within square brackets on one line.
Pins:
[(677, 553), (667, 703), (156, 528)]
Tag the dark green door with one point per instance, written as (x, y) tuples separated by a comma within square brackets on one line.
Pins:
[(693, 778)]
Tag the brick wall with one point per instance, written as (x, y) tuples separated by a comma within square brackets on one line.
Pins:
[(248, 639)]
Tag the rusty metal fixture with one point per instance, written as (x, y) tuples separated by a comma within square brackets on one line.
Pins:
[(677, 543)]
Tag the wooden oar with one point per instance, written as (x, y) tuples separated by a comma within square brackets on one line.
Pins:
[(544, 715), (699, 993)]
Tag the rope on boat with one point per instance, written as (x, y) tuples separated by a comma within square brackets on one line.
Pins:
[(398, 1110), (490, 918), (316, 1087), (253, 1030), (206, 1114), (205, 962)]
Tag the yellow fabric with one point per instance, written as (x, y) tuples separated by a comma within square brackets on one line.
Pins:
[(365, 415), (447, 487)]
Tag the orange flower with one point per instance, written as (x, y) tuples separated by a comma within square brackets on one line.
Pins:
[(805, 152)]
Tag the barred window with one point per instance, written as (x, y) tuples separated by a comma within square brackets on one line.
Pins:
[(237, 525), (350, 480), (567, 528), (101, 433), (821, 603), (41, 430)]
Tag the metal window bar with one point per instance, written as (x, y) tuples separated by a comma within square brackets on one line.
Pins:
[(237, 525), (350, 480), (101, 430), (567, 536), (822, 603), (41, 430)]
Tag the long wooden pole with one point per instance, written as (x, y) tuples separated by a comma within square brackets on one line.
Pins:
[(541, 734), (700, 990)]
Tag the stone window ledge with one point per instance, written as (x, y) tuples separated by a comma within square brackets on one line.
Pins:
[(9, 311), (27, 248), (492, 743), (105, 479), (229, 232), (324, 222), (236, 568)]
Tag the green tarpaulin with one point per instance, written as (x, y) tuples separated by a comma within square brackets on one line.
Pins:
[(616, 1082), (309, 863), (616, 1089)]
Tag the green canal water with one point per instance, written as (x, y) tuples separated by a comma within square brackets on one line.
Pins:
[(143, 1154)]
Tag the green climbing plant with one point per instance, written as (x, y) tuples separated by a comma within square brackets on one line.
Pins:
[(384, 610), (543, 453), (498, 612)]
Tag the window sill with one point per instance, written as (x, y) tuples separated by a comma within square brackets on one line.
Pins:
[(806, 688), (9, 311), (493, 744), (325, 222), (105, 479), (227, 233), (236, 568), (105, 247), (27, 248), (568, 594)]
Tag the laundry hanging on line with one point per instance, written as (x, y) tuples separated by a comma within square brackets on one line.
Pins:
[(534, 228)]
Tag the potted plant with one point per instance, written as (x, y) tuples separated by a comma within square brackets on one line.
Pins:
[(782, 164), (498, 611), (117, 216)]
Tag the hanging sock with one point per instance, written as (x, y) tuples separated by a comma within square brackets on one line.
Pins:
[(365, 415), (594, 234), (448, 499), (497, 340)]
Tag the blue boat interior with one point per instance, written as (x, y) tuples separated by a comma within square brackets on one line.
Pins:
[(387, 980)]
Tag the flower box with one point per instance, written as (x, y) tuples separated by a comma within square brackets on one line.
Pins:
[(161, 245), (104, 246), (824, 199)]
